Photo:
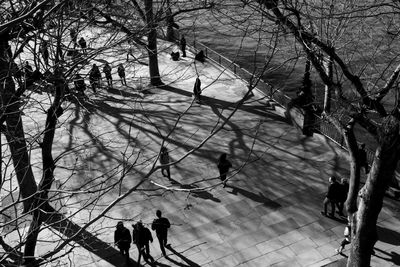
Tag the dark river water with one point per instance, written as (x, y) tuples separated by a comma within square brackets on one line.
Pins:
[(240, 35)]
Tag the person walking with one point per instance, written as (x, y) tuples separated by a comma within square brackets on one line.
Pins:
[(44, 51), (82, 44), (197, 90), (183, 46), (28, 74), (122, 239), (130, 51), (121, 73), (107, 72), (343, 190), (346, 240), (200, 56), (74, 36), (80, 85), (362, 158), (141, 237), (331, 197), (164, 159), (161, 225), (94, 77), (223, 166)]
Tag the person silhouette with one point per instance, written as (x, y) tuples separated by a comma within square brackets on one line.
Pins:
[(183, 46), (197, 90), (141, 237), (82, 44), (223, 166), (107, 73), (94, 77), (164, 159), (161, 225), (122, 239), (121, 73)]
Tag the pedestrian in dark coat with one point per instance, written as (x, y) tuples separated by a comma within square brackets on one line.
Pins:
[(17, 73), (200, 56), (122, 239), (331, 197), (121, 73), (82, 44), (80, 85), (131, 51), (28, 73), (107, 72), (141, 237), (161, 225), (183, 46), (44, 51), (362, 158), (94, 77), (344, 189), (223, 166), (197, 90), (74, 36), (164, 159)]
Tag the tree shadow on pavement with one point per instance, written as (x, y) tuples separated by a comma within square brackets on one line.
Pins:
[(188, 262), (255, 197), (124, 93), (261, 110), (200, 193), (388, 236), (85, 239)]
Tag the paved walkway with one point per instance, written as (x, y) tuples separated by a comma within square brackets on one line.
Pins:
[(268, 215)]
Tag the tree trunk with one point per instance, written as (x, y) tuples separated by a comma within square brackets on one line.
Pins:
[(372, 194), (152, 45), (328, 88), (10, 105), (42, 201), (170, 23)]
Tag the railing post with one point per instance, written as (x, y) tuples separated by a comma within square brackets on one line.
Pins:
[(219, 59), (234, 68)]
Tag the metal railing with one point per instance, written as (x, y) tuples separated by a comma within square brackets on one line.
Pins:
[(273, 93), (323, 127)]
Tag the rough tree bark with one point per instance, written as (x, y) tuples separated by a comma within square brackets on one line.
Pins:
[(41, 203), (14, 130), (152, 44), (372, 194)]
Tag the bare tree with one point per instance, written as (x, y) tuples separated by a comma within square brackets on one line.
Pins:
[(24, 27), (334, 32)]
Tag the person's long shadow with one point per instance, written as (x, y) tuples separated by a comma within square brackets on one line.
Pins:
[(200, 193), (260, 198), (392, 256), (84, 238), (188, 262), (258, 110)]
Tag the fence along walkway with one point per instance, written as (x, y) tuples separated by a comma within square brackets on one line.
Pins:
[(323, 127)]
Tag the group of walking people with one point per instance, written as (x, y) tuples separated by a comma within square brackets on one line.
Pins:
[(95, 78), (141, 237)]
